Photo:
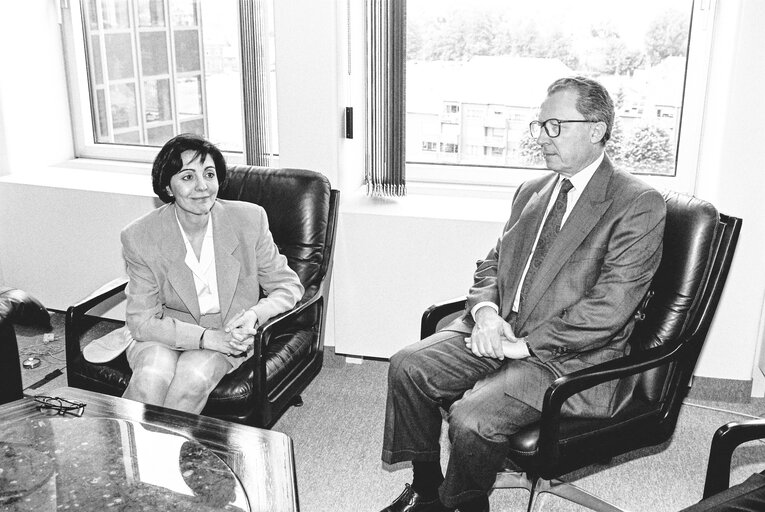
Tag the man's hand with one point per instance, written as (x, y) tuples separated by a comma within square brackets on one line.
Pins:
[(489, 332), (492, 324), (511, 349)]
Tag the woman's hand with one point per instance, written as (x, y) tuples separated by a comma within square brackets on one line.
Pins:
[(243, 328), (235, 338)]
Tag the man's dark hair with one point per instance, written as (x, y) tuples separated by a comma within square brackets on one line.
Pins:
[(593, 100), (168, 162)]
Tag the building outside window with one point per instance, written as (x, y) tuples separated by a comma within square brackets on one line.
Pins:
[(482, 69)]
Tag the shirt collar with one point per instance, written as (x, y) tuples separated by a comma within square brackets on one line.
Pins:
[(582, 178)]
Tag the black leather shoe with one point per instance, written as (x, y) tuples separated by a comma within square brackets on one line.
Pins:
[(410, 501)]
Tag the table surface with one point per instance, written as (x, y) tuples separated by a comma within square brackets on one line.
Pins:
[(262, 460)]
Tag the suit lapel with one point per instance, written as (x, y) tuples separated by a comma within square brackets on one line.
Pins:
[(178, 273), (227, 266), (516, 247), (588, 210)]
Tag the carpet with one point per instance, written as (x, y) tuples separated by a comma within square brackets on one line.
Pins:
[(48, 347), (337, 437)]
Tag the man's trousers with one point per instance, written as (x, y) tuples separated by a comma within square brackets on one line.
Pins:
[(437, 373)]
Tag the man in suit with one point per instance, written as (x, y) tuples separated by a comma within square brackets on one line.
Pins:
[(556, 294)]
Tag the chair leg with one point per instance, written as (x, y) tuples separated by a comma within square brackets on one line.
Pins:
[(518, 480), (576, 494), (297, 401), (537, 486)]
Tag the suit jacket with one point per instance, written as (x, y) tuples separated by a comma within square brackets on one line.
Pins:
[(579, 311), (162, 303)]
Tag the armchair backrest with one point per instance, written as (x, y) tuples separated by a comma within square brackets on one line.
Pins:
[(698, 248), (301, 208)]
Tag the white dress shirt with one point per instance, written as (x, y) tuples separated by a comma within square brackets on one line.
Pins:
[(205, 276)]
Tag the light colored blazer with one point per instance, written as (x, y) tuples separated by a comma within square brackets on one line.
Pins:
[(580, 310), (162, 302)]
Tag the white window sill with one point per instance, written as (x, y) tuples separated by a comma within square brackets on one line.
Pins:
[(428, 202), (88, 175), (424, 200)]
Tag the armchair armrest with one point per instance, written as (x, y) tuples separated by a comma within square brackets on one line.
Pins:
[(75, 313), (438, 312), (568, 385), (266, 330), (97, 297), (724, 442)]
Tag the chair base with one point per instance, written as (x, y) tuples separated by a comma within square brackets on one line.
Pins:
[(537, 486)]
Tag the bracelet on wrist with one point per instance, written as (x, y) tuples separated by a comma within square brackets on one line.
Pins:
[(202, 340)]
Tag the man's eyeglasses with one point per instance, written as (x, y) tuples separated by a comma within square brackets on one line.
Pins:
[(59, 405), (551, 126)]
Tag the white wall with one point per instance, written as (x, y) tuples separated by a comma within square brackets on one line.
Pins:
[(34, 109), (731, 176), (393, 257)]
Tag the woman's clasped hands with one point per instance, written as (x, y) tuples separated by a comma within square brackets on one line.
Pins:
[(236, 337)]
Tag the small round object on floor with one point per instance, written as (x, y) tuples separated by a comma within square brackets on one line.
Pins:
[(31, 363)]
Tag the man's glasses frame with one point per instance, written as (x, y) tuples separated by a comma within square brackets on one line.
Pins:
[(552, 126), (58, 405)]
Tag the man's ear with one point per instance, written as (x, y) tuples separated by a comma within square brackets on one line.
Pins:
[(598, 132)]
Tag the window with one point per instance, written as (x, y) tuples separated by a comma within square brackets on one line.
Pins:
[(146, 70), (493, 60)]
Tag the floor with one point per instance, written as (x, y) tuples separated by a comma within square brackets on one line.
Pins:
[(337, 437)]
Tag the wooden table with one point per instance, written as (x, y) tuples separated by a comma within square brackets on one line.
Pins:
[(262, 460)]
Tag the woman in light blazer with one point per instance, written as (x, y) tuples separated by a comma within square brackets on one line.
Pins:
[(196, 266)]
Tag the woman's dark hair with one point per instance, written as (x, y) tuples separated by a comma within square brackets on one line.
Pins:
[(168, 162)]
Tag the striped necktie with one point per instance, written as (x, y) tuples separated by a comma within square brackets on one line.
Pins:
[(546, 238)]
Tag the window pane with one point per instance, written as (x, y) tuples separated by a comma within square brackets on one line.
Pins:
[(102, 125), (98, 72), (119, 56), (184, 13), (193, 126), (160, 134), (137, 96), (130, 137), (158, 103), (115, 14), (154, 53), (92, 15), (124, 111), (151, 13), (189, 96), (187, 50), (477, 72)]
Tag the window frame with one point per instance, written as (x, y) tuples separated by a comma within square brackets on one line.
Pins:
[(83, 129), (424, 175)]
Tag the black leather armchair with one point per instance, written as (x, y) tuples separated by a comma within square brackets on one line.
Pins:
[(16, 307), (302, 213), (672, 325), (749, 495)]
